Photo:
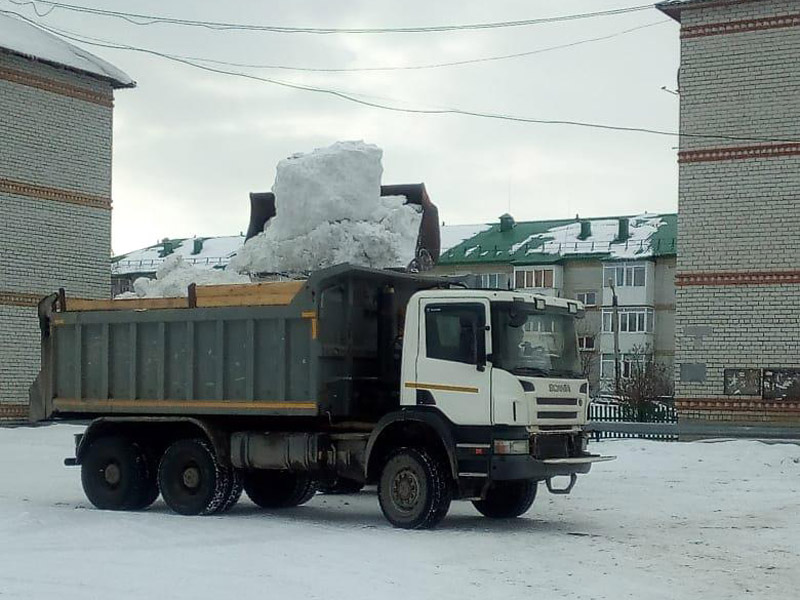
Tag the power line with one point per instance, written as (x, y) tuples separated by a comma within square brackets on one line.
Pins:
[(457, 63), (352, 97), (142, 19)]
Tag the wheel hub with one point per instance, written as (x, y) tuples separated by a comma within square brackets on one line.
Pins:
[(191, 478), (112, 474), (405, 489)]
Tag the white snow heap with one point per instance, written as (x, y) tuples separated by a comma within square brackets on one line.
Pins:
[(174, 277), (329, 210)]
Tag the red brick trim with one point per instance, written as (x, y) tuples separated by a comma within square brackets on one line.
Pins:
[(738, 278), (747, 25), (56, 87), (17, 188), (740, 152), (19, 299), (13, 412), (790, 406)]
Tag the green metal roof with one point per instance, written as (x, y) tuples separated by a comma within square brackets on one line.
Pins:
[(548, 242)]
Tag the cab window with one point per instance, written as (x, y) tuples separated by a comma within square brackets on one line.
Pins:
[(451, 331)]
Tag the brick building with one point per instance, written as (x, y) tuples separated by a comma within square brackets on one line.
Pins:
[(575, 258), (56, 104), (738, 279)]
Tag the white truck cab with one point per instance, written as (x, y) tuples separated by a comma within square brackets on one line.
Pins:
[(502, 368)]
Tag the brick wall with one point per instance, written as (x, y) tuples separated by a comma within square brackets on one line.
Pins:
[(55, 188), (738, 273)]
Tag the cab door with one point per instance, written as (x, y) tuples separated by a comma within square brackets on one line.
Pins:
[(452, 372)]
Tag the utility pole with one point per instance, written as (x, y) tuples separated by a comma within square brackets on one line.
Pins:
[(615, 330)]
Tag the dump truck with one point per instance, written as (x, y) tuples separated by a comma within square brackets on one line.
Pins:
[(425, 388)]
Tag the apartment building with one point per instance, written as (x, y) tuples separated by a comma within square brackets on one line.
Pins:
[(579, 258)]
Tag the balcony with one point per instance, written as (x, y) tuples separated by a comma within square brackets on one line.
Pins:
[(548, 281)]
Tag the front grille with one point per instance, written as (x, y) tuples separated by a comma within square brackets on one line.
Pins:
[(558, 401), (556, 414)]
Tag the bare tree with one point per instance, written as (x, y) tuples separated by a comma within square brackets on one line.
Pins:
[(647, 381)]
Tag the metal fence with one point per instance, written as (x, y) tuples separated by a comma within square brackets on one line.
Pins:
[(626, 414)]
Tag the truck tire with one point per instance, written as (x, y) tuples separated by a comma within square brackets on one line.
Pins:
[(278, 489), (191, 479), (114, 474), (234, 491), (414, 490), (507, 499)]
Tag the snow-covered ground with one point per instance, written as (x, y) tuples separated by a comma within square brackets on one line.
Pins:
[(666, 520)]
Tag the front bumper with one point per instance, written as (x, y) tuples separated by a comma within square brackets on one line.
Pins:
[(525, 466)]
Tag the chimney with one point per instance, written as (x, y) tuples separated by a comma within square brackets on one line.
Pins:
[(197, 245), (623, 233), (586, 230), (507, 222), (167, 247)]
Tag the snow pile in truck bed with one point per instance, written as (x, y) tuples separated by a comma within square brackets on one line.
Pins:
[(174, 277), (329, 211)]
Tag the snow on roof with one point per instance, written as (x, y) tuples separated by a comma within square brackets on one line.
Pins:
[(533, 242), (452, 235), (673, 7), (19, 37), (214, 253)]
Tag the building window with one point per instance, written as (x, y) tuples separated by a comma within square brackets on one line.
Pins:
[(631, 320), (543, 324), (586, 343), (626, 365), (588, 298), (533, 278), (624, 275), (494, 281)]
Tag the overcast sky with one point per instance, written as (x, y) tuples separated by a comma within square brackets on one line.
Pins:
[(189, 145)]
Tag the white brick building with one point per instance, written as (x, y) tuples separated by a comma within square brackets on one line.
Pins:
[(56, 104), (738, 279)]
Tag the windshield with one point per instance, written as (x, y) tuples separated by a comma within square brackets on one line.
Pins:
[(530, 342)]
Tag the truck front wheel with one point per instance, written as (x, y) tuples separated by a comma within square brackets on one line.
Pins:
[(191, 479), (507, 499), (414, 490), (114, 474), (278, 489)]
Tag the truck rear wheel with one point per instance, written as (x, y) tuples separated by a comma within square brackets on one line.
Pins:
[(278, 489), (191, 479), (507, 499), (414, 490), (234, 491), (114, 474)]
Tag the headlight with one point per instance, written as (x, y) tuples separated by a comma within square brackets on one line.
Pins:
[(512, 447)]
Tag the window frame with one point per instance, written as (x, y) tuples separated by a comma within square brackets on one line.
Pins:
[(585, 298), (534, 278), (638, 317), (625, 274)]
